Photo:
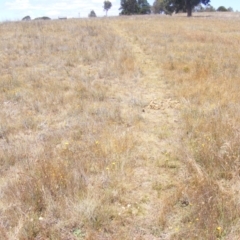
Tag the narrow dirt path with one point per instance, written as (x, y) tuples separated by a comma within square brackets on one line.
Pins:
[(155, 191)]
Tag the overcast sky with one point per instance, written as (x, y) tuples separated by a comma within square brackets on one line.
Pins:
[(17, 9)]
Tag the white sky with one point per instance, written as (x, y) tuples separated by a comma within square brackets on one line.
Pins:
[(17, 9)]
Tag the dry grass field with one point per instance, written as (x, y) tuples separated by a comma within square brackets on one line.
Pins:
[(123, 128)]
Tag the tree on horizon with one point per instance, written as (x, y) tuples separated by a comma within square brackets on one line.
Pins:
[(107, 5), (129, 7), (171, 6), (92, 14)]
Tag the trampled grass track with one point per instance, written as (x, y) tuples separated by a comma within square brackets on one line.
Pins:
[(156, 181)]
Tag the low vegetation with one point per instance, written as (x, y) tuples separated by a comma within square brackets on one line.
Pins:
[(79, 157)]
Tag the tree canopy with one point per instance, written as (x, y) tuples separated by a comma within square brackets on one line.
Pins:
[(144, 7), (170, 6), (222, 9), (129, 7), (107, 5)]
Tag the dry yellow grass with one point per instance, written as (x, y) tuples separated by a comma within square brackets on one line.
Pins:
[(84, 155)]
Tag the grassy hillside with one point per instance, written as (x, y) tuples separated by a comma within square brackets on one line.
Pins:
[(120, 128)]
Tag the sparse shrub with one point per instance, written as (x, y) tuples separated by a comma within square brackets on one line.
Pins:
[(92, 14), (27, 18), (222, 9), (43, 18)]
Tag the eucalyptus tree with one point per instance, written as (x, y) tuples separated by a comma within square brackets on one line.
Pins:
[(106, 6), (170, 6), (129, 7)]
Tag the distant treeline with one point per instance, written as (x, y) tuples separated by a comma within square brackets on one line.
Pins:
[(168, 7), (28, 18), (210, 8)]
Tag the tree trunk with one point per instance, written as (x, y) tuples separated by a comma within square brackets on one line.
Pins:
[(189, 8)]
